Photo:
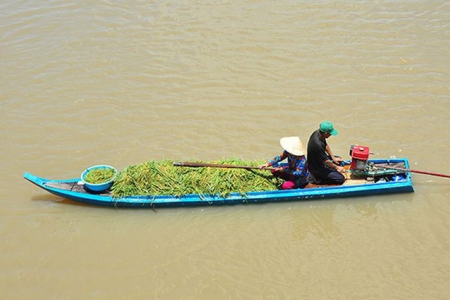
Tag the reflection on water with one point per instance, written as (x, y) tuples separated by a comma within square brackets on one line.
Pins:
[(326, 219)]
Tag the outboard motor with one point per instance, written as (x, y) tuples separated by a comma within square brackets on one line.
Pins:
[(360, 156)]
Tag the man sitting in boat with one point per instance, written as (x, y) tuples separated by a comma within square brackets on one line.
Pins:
[(323, 166), (295, 172)]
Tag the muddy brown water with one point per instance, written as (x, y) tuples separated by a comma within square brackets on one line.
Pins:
[(122, 83)]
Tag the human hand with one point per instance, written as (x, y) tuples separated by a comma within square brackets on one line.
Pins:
[(340, 169), (338, 159)]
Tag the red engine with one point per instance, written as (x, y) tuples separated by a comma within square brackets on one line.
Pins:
[(360, 156)]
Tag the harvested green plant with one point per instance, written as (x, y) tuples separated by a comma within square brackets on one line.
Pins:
[(163, 178), (99, 175)]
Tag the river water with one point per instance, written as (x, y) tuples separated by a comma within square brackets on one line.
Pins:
[(121, 83)]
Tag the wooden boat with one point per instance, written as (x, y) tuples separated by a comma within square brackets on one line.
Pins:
[(379, 181)]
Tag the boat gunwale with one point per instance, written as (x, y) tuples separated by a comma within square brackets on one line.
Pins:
[(321, 192)]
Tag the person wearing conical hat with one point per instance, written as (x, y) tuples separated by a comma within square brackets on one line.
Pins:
[(295, 173), (323, 166)]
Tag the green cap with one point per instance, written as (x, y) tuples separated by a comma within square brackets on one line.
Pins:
[(327, 127)]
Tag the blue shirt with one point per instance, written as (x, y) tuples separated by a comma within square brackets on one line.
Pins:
[(296, 164)]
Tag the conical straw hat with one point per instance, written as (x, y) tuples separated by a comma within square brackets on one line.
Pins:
[(293, 145)]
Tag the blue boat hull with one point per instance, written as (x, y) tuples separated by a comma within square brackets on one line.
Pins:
[(71, 189)]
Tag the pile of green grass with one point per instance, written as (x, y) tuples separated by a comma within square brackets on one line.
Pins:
[(163, 178), (96, 176)]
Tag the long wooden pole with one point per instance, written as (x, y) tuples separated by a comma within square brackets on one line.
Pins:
[(199, 164), (418, 171)]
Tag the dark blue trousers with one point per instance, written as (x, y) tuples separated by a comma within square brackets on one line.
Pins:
[(329, 176)]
